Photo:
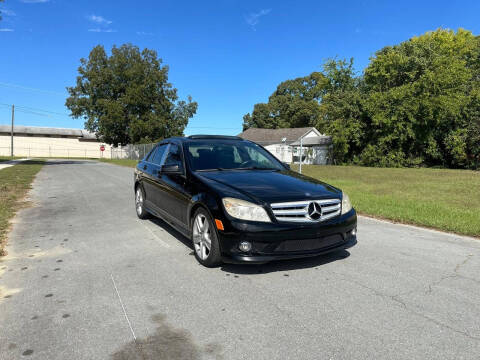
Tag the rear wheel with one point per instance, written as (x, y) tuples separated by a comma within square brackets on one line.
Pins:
[(205, 240), (139, 203)]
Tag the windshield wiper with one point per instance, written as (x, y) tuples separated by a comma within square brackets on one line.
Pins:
[(213, 169)]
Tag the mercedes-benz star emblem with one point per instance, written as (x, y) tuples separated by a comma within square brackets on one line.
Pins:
[(314, 211)]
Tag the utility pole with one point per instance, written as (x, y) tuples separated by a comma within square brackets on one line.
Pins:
[(13, 120)]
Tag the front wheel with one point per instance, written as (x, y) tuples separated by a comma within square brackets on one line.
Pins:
[(205, 240), (139, 203)]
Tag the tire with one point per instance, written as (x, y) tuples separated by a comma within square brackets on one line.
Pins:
[(139, 203), (203, 236)]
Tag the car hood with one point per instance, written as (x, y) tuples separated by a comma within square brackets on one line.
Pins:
[(271, 186)]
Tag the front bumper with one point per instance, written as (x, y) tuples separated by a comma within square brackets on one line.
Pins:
[(279, 241)]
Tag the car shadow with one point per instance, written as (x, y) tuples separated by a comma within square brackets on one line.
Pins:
[(68, 162), (176, 234), (286, 265)]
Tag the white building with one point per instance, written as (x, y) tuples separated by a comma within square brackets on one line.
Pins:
[(31, 141), (286, 143)]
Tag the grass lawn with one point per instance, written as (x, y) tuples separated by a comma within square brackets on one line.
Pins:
[(443, 199), (122, 162), (15, 181)]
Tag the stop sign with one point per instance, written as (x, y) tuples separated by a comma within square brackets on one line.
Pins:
[(102, 147)]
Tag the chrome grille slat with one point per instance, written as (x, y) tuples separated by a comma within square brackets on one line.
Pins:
[(330, 208), (291, 212), (290, 204), (297, 211)]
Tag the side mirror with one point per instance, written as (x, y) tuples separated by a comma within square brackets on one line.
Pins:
[(171, 169), (287, 165)]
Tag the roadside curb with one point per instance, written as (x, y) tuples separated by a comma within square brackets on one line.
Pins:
[(419, 227)]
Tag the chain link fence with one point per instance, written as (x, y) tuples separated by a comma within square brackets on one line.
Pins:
[(132, 152)]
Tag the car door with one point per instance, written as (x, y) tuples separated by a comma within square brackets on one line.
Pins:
[(175, 197), (151, 169)]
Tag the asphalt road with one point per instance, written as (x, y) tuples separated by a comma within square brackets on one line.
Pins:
[(85, 279)]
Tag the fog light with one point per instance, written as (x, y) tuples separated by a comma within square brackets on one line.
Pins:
[(354, 232), (245, 246)]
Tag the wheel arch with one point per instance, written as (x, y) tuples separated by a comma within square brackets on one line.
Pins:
[(137, 184), (201, 202)]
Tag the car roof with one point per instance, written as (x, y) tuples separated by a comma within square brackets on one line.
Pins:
[(203, 137), (220, 137)]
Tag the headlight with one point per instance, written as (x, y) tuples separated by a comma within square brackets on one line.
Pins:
[(245, 210), (346, 204)]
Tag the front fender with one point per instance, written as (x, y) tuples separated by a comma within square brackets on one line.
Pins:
[(209, 202)]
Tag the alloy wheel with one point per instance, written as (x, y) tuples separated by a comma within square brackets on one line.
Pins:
[(139, 201), (202, 236)]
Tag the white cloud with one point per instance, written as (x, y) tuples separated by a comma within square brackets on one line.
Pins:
[(254, 18), (99, 20), (144, 33), (6, 30), (98, 30), (34, 1), (102, 24)]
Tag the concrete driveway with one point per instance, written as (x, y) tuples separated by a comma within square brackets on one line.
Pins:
[(85, 279)]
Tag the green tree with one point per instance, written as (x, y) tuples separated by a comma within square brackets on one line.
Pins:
[(329, 100), (126, 97), (341, 110), (417, 103), (295, 103), (422, 97)]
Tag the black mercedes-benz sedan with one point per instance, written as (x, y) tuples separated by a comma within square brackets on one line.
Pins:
[(238, 203)]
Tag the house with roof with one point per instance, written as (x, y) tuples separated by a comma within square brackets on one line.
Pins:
[(290, 145)]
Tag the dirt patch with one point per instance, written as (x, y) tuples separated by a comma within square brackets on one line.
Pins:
[(167, 343)]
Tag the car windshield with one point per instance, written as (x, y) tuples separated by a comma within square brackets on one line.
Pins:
[(205, 155)]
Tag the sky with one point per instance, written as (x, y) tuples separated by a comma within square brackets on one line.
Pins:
[(227, 54)]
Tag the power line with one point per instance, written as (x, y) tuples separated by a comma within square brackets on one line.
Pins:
[(45, 113), (37, 110), (27, 88), (33, 113)]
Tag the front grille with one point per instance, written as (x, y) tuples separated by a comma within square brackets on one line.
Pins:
[(298, 211)]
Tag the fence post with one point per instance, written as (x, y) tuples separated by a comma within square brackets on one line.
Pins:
[(13, 120)]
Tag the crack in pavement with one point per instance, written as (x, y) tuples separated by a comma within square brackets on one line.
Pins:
[(396, 298), (451, 276)]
